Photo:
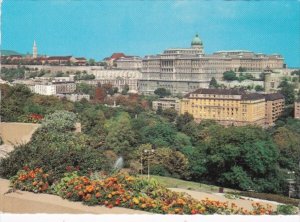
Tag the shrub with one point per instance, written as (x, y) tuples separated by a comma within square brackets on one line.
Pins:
[(271, 197), (60, 121), (286, 209), (31, 180)]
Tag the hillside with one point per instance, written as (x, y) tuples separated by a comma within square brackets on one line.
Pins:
[(9, 52)]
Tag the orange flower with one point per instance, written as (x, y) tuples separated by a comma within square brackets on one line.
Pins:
[(98, 195), (89, 188)]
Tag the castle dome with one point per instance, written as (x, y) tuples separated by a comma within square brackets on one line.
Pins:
[(196, 41)]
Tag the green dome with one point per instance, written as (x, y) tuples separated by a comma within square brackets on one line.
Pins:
[(196, 40)]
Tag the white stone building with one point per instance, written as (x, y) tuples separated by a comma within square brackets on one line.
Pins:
[(182, 70)]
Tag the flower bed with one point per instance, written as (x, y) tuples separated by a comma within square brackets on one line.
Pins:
[(31, 180), (126, 191)]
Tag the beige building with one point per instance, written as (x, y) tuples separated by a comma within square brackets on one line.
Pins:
[(226, 106), (297, 109), (183, 70), (274, 107), (117, 78), (166, 103), (129, 63)]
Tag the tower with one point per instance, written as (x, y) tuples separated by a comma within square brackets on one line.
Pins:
[(34, 50)]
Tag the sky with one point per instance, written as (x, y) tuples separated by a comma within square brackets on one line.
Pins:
[(98, 28)]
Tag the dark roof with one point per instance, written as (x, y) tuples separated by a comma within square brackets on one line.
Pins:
[(59, 57), (81, 58), (243, 93), (252, 96), (219, 91), (273, 96)]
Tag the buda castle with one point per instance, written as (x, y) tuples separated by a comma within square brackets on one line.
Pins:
[(182, 70)]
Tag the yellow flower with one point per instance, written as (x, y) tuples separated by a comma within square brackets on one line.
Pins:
[(135, 200)]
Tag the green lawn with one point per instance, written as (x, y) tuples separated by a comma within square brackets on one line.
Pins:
[(189, 185)]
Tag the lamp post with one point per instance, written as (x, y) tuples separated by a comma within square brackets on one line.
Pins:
[(148, 153)]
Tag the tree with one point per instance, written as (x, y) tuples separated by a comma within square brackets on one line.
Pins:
[(259, 88), (159, 134), (125, 89), (91, 62), (242, 69), (213, 83), (162, 92), (120, 138), (288, 91), (60, 121), (183, 119), (229, 75), (169, 113), (173, 162)]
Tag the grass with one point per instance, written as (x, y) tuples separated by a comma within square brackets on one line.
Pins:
[(189, 185)]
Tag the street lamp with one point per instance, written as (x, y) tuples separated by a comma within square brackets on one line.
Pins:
[(148, 152)]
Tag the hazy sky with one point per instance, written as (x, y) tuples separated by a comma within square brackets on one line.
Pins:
[(96, 29)]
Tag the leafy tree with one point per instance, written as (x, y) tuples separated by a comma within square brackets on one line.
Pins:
[(213, 83), (60, 121), (91, 62), (120, 137), (172, 162), (229, 75), (162, 92), (288, 91), (125, 89), (169, 113), (242, 69), (159, 134), (183, 119), (259, 88)]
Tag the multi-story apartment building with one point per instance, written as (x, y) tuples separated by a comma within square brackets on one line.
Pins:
[(166, 103), (182, 70), (274, 107), (297, 109), (226, 106)]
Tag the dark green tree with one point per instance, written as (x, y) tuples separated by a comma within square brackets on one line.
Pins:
[(213, 83), (162, 92), (288, 91), (229, 75)]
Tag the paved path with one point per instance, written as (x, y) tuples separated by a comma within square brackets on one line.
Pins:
[(27, 202)]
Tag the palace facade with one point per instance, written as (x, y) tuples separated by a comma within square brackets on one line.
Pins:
[(182, 70)]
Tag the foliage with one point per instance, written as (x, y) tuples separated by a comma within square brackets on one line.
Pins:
[(258, 88), (286, 209), (170, 114), (288, 91), (162, 92), (59, 121), (125, 89), (271, 197), (31, 180), (213, 83), (85, 89), (229, 75), (183, 119), (159, 134), (120, 137)]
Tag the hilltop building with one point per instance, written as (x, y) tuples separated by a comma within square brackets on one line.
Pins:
[(183, 70)]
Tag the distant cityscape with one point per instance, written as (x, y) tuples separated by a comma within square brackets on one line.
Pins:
[(251, 97)]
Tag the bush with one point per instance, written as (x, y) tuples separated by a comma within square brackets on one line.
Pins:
[(60, 121), (286, 209), (271, 197), (31, 180)]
